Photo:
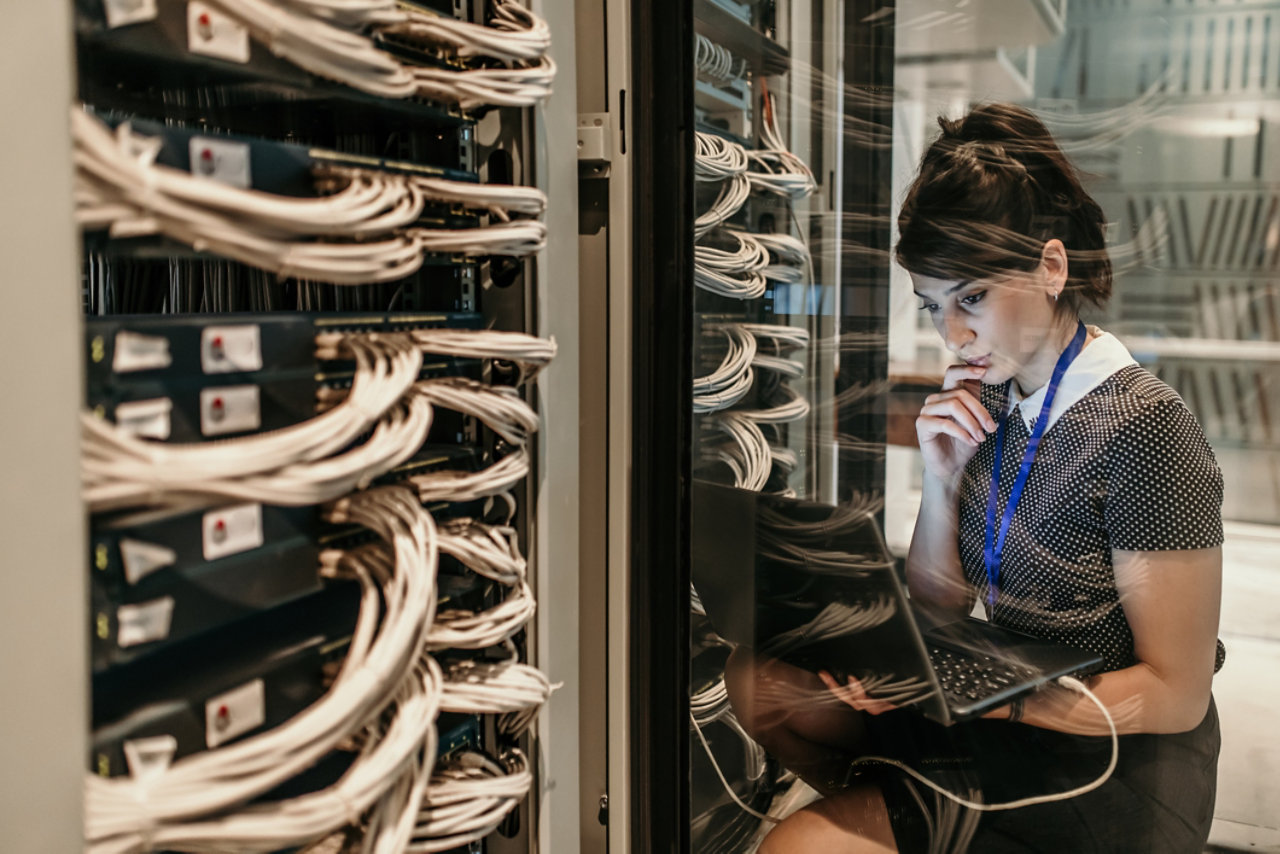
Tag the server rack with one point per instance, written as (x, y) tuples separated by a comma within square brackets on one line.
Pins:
[(49, 29)]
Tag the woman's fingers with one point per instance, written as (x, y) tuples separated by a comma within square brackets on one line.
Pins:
[(960, 410), (958, 374), (853, 694), (929, 427)]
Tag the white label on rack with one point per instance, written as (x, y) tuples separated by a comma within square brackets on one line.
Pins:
[(224, 349), (149, 757), (136, 352), (121, 13), (212, 33), (234, 713), (144, 623), (229, 409), (141, 559), (146, 418), (220, 159), (232, 530)]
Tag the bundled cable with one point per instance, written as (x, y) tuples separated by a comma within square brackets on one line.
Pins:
[(717, 158), (306, 463), (462, 629), (522, 85), (716, 62), (468, 797), (794, 409), (194, 804), (513, 34), (731, 381), (487, 550), (733, 195), (747, 454), (781, 336), (793, 264), (119, 186), (529, 352), (516, 691), (732, 273), (774, 168), (320, 36), (468, 486)]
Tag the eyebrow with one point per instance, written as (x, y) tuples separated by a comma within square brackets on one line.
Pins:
[(948, 291)]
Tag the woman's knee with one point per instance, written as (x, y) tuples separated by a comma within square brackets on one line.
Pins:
[(853, 822)]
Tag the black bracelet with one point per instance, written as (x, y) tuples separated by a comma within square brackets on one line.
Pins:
[(1015, 711)]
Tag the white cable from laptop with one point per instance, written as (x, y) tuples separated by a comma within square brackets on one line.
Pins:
[(1065, 681)]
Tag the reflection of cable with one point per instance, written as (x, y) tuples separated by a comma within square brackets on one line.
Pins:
[(716, 765), (836, 620), (1066, 682), (794, 409)]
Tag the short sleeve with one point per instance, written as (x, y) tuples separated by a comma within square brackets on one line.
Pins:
[(1164, 484)]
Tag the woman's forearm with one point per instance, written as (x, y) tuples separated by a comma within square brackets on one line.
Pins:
[(934, 574), (1138, 700)]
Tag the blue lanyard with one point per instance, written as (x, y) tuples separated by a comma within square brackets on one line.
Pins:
[(995, 543)]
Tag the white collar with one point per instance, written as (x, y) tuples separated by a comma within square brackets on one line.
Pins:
[(1099, 360)]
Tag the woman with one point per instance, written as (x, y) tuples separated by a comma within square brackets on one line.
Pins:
[(1112, 544)]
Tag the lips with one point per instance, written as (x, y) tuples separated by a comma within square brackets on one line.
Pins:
[(979, 362)]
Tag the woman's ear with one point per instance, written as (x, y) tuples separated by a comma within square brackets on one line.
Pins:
[(1053, 264)]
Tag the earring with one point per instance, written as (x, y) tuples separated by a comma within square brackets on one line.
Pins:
[(1055, 297)]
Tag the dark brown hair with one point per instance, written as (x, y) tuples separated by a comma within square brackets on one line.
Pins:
[(992, 190)]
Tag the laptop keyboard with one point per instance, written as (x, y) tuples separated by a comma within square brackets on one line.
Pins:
[(973, 676)]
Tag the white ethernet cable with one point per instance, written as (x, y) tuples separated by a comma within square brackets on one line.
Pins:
[(717, 158), (508, 688), (307, 33), (529, 352), (794, 263), (315, 45), (468, 486), (184, 805), (460, 629), (1068, 682), (119, 467), (794, 409), (733, 195), (716, 62), (777, 364), (522, 85), (748, 454), (350, 14), (514, 33), (732, 273), (782, 336), (120, 187), (487, 550), (468, 797), (732, 379), (777, 170)]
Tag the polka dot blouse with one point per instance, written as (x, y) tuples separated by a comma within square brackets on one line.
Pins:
[(1124, 467)]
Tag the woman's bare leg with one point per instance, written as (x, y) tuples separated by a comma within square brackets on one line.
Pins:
[(853, 822)]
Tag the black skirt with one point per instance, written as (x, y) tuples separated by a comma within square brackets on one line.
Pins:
[(1159, 799)]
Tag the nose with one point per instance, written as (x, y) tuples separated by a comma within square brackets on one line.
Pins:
[(956, 332)]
